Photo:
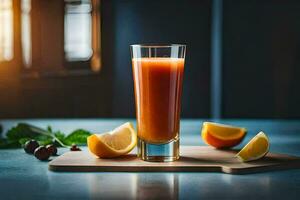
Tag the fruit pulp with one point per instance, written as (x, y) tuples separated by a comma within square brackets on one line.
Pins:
[(158, 88)]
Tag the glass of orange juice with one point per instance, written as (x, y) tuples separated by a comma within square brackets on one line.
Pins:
[(158, 75)]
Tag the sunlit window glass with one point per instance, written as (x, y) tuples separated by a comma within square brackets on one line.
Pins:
[(6, 32), (26, 33), (78, 30)]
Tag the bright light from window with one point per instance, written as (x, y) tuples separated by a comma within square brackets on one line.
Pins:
[(78, 29), (26, 33), (6, 32)]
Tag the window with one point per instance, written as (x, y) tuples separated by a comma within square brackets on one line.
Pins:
[(60, 37), (6, 33), (78, 21), (26, 33)]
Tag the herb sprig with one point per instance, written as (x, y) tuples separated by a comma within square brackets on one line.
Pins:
[(22, 132)]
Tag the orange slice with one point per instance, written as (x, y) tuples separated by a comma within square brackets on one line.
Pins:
[(221, 135), (115, 143), (257, 148)]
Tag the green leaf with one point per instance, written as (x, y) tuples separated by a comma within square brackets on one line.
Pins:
[(22, 141), (43, 137), (59, 135), (23, 132), (45, 142), (6, 144), (18, 135), (78, 137), (49, 129), (20, 131)]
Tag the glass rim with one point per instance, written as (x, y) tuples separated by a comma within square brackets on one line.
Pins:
[(157, 45)]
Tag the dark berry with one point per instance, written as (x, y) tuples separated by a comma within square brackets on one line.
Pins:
[(30, 146), (75, 148), (52, 149), (42, 153)]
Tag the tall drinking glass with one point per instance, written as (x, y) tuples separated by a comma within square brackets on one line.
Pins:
[(158, 75)]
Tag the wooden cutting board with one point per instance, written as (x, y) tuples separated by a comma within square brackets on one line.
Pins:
[(192, 159)]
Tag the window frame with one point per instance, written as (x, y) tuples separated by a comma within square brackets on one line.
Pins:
[(92, 66)]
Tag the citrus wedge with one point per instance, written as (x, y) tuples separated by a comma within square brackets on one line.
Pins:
[(257, 148), (221, 135), (115, 143)]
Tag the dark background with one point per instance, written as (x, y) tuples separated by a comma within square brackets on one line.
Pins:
[(261, 65), (164, 22), (259, 69)]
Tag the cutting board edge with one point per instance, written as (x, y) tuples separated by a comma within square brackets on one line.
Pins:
[(216, 169), (58, 168)]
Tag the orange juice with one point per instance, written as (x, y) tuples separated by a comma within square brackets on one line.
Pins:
[(158, 88)]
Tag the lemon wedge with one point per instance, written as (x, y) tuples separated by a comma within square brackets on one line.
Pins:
[(117, 142), (257, 148)]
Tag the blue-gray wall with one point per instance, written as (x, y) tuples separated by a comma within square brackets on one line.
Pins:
[(126, 22), (259, 47)]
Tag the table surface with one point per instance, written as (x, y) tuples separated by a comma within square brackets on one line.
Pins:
[(24, 177)]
